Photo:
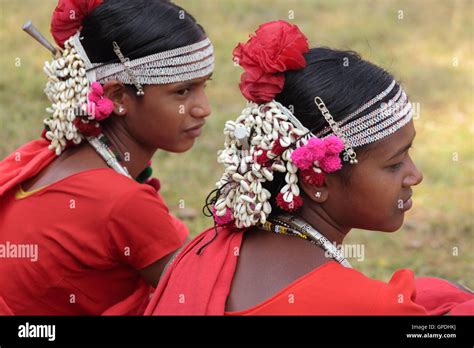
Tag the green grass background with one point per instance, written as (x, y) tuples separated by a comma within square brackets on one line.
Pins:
[(430, 50)]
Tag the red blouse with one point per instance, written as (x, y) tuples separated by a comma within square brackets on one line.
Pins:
[(93, 230), (332, 289), (198, 284)]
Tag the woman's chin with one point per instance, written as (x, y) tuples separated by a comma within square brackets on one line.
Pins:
[(395, 226), (179, 148)]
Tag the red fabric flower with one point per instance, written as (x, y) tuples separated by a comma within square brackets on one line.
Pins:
[(67, 18), (276, 47), (262, 89)]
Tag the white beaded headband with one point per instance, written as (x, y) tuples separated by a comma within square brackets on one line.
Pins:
[(367, 129), (377, 124), (176, 65)]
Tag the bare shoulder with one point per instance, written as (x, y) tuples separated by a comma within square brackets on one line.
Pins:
[(268, 263)]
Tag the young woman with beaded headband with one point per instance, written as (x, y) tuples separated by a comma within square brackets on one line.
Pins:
[(127, 79), (320, 148)]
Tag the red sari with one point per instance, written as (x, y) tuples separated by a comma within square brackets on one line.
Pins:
[(93, 231), (199, 285)]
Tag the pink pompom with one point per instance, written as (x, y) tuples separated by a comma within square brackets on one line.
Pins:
[(330, 163), (93, 97), (97, 88), (98, 106), (224, 219), (302, 157), (334, 145), (317, 148), (104, 108)]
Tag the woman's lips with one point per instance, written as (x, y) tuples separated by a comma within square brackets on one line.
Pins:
[(195, 131), (407, 204)]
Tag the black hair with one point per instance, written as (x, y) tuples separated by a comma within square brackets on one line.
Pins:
[(140, 28), (344, 81)]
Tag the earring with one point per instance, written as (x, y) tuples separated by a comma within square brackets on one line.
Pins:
[(120, 108), (318, 194)]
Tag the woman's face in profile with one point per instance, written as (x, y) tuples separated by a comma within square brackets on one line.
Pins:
[(380, 187), (169, 117)]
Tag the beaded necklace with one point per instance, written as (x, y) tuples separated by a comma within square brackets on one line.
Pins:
[(104, 147), (294, 226)]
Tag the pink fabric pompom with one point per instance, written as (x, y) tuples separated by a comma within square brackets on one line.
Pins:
[(104, 108), (224, 219), (321, 153), (99, 106), (317, 148), (97, 88), (330, 163), (302, 157), (334, 145)]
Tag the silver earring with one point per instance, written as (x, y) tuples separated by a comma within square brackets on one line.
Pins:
[(318, 194), (120, 108)]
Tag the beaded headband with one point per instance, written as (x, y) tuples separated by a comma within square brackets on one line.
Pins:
[(176, 65), (377, 124)]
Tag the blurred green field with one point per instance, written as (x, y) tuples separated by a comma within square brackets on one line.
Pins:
[(428, 45)]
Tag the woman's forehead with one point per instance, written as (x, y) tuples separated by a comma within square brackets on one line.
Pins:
[(389, 146)]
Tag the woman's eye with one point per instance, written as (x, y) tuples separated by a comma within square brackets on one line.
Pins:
[(184, 91), (396, 166)]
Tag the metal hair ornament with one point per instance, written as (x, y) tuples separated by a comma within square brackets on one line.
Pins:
[(126, 62), (349, 154)]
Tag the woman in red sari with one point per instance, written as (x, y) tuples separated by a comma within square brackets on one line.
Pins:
[(81, 231), (321, 148)]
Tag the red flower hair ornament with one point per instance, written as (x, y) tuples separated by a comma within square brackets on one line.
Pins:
[(68, 16), (276, 47)]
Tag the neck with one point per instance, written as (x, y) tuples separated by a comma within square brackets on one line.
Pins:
[(317, 217), (134, 155)]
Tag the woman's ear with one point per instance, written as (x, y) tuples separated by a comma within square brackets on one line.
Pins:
[(115, 91), (318, 194)]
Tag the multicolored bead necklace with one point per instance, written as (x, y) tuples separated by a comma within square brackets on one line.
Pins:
[(295, 226)]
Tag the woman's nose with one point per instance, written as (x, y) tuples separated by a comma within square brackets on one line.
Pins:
[(202, 108), (415, 177)]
